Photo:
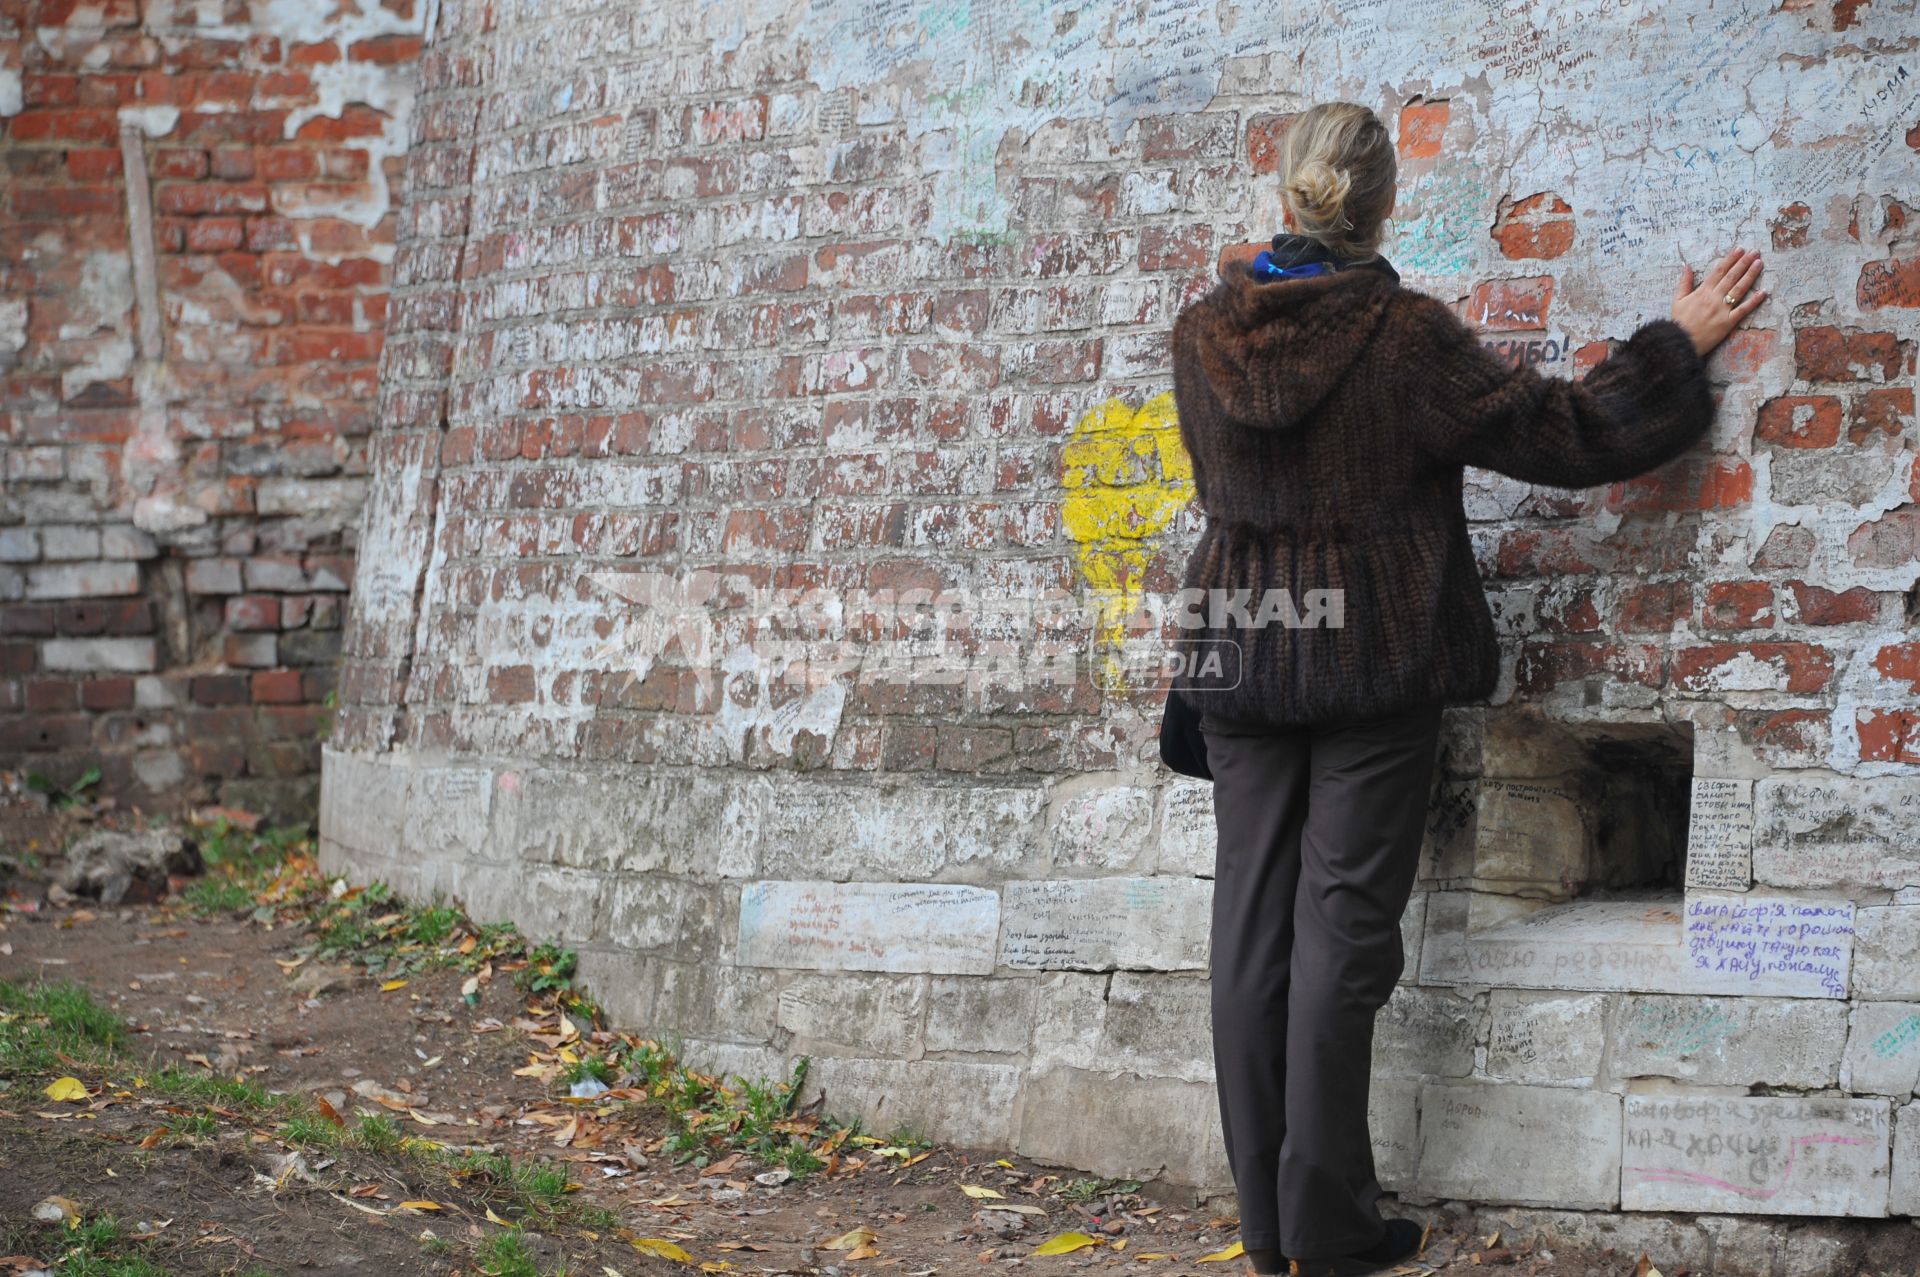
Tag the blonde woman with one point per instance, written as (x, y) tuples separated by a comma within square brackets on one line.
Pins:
[(1329, 413)]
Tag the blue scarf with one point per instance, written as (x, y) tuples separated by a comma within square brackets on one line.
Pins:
[(1301, 256)]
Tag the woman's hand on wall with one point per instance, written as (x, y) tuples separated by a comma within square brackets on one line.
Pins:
[(1704, 312)]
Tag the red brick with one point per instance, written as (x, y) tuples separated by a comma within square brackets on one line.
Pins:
[(1886, 283), (1799, 421), (93, 166), (1738, 605), (511, 684), (356, 120), (215, 234), (1817, 605), (1825, 353), (1888, 735), (1539, 226), (1900, 662), (1423, 127), (1806, 666), (179, 163), (1508, 305), (65, 124), (317, 54), (219, 689), (107, 693), (50, 695), (1883, 413), (1654, 607), (390, 50), (201, 199), (233, 164), (34, 732), (276, 687), (288, 164), (1265, 133), (1790, 227), (72, 204), (253, 612)]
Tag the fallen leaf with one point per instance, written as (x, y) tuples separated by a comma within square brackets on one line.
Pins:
[(391, 985), (1231, 1252), (329, 1112), (975, 1190), (1015, 1207), (466, 946), (54, 1210), (421, 1205), (662, 1247), (495, 1219), (1061, 1243), (67, 1090), (853, 1237), (863, 1252), (365, 1190)]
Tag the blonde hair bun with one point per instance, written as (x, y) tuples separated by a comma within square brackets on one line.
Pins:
[(1338, 174), (1319, 190)]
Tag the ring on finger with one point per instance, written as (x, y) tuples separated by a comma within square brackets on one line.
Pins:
[(1731, 299)]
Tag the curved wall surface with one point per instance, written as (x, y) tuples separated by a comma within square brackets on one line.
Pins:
[(776, 477)]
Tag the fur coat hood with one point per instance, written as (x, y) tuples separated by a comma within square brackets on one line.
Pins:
[(1286, 327)]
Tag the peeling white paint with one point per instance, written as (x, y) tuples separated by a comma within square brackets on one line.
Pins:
[(10, 99)]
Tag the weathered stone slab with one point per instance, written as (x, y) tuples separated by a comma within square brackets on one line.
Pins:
[(1883, 1050), (1528, 831), (1837, 832), (1585, 945), (448, 810), (1393, 1122), (1527, 1145), (363, 802), (1154, 923), (1546, 1037), (848, 1013), (917, 833), (1429, 1032), (980, 1013), (1158, 1026), (1785, 1156), (654, 822), (1188, 836), (1720, 834), (1790, 946), (1105, 828), (652, 911), (1770, 945), (1905, 1195), (1120, 1125), (868, 926), (949, 1101), (1730, 1041), (1887, 938)]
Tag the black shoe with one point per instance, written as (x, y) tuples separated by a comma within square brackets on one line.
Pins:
[(1267, 1261), (1400, 1243)]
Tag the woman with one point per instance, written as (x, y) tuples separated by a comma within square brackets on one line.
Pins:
[(1329, 413)]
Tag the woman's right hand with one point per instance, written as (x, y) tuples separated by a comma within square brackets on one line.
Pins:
[(1704, 311)]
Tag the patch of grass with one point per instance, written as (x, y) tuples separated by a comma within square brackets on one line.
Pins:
[(65, 796), (549, 969), (309, 1130), (1083, 1190), (234, 1095), (48, 1029), (597, 1067), (505, 1255), (98, 1248), (217, 895), (433, 924), (535, 1187), (376, 1134)]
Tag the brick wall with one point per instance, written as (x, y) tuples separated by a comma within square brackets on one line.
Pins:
[(199, 209), (876, 298)]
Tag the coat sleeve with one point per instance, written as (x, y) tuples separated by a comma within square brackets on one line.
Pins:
[(1647, 402)]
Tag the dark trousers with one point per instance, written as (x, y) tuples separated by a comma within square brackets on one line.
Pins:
[(1319, 843)]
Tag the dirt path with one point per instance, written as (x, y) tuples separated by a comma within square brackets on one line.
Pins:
[(206, 1186)]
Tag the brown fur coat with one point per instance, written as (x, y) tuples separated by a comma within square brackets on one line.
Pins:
[(1329, 420)]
